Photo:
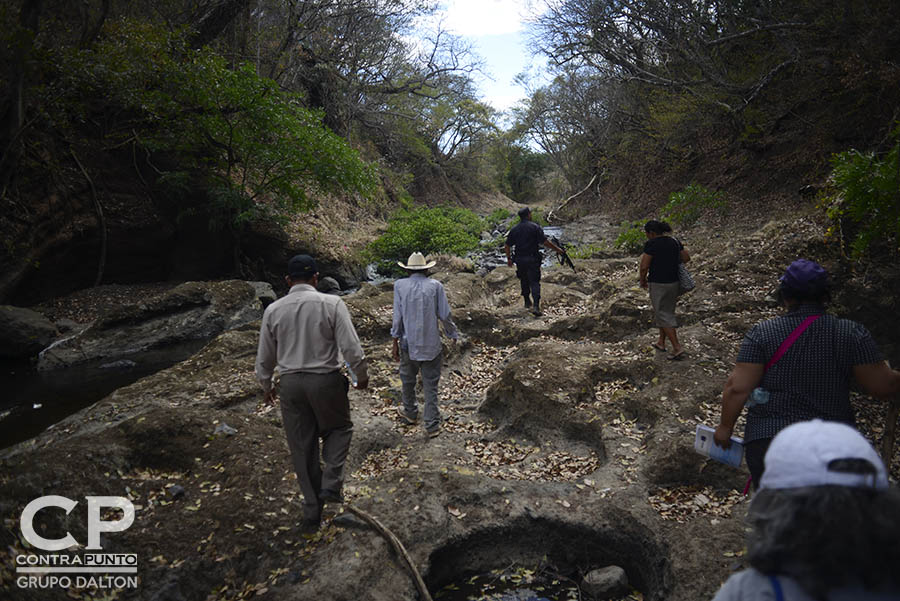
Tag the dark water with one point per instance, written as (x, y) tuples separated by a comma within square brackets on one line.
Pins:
[(510, 585), (32, 401)]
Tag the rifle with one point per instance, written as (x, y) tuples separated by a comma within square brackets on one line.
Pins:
[(563, 257)]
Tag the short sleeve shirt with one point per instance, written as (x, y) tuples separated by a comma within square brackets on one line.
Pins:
[(666, 253), (812, 379), (527, 238)]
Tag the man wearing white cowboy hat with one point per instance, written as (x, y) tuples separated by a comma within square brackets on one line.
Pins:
[(419, 303)]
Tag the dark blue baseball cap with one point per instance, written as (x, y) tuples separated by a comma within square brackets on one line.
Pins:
[(302, 266)]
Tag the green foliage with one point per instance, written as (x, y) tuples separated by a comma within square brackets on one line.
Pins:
[(865, 190), (443, 229), (498, 216), (537, 215), (519, 171), (632, 236), (686, 207), (584, 251), (253, 148)]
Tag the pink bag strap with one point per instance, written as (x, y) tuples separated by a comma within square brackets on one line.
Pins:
[(790, 340)]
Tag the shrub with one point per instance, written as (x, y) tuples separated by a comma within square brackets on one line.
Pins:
[(442, 229), (865, 190), (632, 236), (498, 216), (537, 215), (686, 206), (584, 251)]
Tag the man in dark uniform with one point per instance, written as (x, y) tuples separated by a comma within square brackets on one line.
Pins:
[(527, 237)]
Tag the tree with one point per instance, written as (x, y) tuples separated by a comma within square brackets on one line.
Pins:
[(571, 119), (257, 148), (668, 75)]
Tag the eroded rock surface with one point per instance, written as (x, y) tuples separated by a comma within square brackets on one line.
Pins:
[(567, 443), (23, 332), (190, 311)]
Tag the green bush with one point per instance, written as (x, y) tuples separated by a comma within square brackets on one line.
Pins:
[(584, 251), (865, 190), (686, 206), (497, 216), (442, 229), (537, 215), (632, 236)]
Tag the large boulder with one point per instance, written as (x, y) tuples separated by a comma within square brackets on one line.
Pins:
[(190, 311), (23, 332)]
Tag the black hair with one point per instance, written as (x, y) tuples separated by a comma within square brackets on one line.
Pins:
[(657, 227), (827, 537)]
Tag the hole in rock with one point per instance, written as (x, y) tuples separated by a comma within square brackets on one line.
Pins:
[(541, 559)]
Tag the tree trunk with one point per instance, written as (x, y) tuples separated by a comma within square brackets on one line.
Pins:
[(215, 20), (14, 115)]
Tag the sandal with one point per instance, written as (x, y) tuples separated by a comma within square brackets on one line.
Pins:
[(677, 357), (661, 349)]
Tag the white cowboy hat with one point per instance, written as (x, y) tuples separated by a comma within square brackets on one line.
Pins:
[(416, 262)]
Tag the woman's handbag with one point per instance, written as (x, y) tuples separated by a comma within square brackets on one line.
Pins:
[(685, 281)]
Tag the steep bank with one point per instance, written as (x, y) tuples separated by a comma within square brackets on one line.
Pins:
[(567, 443)]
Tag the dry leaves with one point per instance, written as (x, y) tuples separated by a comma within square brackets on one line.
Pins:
[(684, 502), (381, 462), (510, 460)]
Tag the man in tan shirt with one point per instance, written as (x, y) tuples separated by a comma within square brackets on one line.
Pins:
[(302, 334)]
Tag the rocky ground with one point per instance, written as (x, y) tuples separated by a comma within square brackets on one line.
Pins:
[(566, 447)]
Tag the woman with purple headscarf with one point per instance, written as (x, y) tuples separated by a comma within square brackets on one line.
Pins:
[(798, 367)]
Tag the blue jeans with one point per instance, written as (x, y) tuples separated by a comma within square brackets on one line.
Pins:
[(431, 375)]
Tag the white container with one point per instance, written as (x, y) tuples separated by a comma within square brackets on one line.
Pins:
[(703, 444)]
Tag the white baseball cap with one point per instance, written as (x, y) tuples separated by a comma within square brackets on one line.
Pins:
[(820, 453)]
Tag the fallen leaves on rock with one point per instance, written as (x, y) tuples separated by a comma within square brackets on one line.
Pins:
[(684, 502)]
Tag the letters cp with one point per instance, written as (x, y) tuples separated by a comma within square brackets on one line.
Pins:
[(95, 524)]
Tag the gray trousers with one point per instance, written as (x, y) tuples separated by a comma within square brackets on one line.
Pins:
[(431, 375), (316, 406)]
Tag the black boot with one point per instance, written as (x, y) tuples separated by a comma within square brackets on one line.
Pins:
[(536, 310), (527, 302)]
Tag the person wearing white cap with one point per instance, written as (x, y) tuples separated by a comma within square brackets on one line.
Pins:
[(824, 524), (419, 304)]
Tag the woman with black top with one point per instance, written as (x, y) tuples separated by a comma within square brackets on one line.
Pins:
[(659, 273)]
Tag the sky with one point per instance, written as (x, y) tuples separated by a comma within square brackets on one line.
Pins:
[(496, 30)]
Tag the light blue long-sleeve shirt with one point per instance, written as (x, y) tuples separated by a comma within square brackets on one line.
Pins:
[(419, 304)]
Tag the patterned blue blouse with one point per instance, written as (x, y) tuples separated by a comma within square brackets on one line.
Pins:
[(812, 379)]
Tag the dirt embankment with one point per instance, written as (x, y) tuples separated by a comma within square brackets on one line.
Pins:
[(567, 445)]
